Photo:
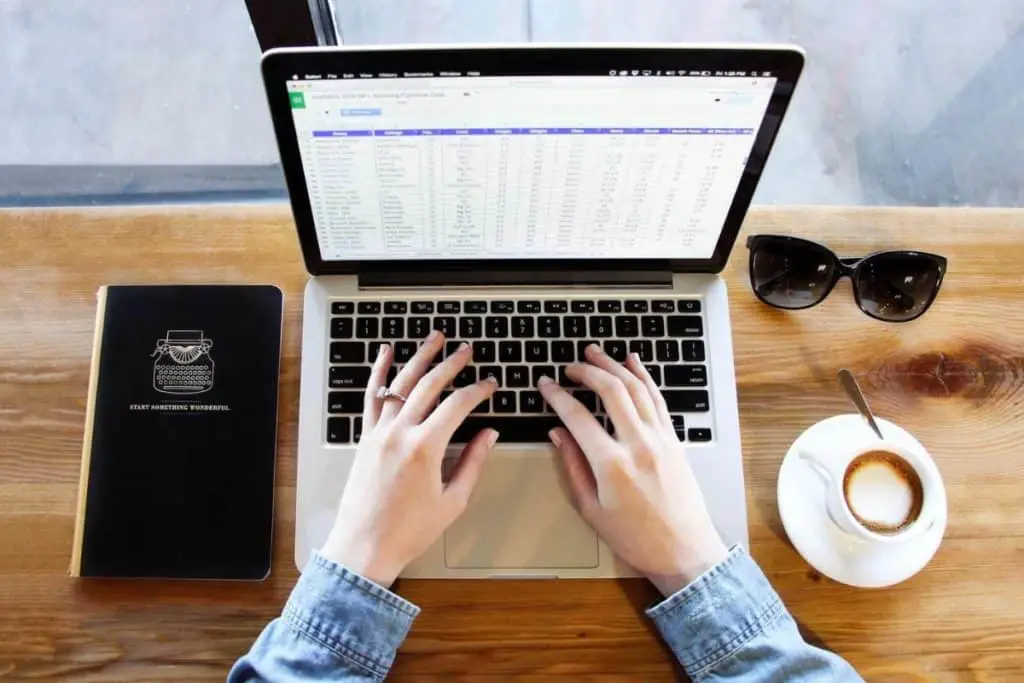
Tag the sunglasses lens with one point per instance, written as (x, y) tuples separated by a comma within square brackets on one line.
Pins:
[(897, 287), (791, 274)]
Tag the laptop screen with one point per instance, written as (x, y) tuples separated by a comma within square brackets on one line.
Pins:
[(461, 165)]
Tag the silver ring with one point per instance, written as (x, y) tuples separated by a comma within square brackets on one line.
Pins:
[(384, 393)]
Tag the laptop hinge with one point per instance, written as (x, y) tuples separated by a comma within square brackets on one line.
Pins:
[(513, 278)]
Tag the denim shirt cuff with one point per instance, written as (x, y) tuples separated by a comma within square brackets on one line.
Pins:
[(720, 611), (353, 617)]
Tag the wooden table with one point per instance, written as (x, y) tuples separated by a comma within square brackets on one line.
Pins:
[(955, 378)]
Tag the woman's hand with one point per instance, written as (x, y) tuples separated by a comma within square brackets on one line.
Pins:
[(394, 505), (636, 489)]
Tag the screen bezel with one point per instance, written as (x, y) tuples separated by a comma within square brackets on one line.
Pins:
[(785, 64)]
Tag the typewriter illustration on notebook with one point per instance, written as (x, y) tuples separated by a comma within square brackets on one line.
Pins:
[(183, 364)]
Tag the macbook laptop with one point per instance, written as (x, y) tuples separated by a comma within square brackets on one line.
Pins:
[(530, 200)]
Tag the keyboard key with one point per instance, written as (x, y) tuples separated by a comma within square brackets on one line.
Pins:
[(446, 325), (372, 349), (522, 327), (528, 307), (496, 326), (504, 402), (357, 429), (582, 306), (342, 307), (404, 351), (482, 407), (345, 402), (652, 326), (655, 372), (393, 328), (348, 352), (556, 306), (643, 348), (419, 327), (563, 378), (693, 351), (369, 307), (689, 306), (685, 326), (476, 307), (587, 398), (449, 306), (392, 373), (531, 402), (635, 306), (396, 307), (601, 326), (491, 371), (609, 306), (510, 352), (341, 328), (679, 425), (575, 326), (338, 430), (627, 326), (581, 348), (616, 348), (562, 352), (471, 327), (536, 351), (517, 376), (348, 377), (667, 350), (548, 327), (513, 429), (422, 306), (699, 434), (466, 376), (484, 352), (451, 347), (543, 371), (367, 328), (686, 400), (663, 306), (503, 307), (686, 376)]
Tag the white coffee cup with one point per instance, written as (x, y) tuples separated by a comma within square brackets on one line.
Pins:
[(888, 498)]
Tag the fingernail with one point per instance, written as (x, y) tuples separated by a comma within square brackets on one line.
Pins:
[(492, 379), (635, 357), (492, 438), (594, 348), (381, 350), (555, 437), (434, 334), (463, 346), (543, 379)]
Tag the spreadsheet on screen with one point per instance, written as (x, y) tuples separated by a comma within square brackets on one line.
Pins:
[(520, 167)]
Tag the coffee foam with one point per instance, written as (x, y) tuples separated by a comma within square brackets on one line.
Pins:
[(883, 492)]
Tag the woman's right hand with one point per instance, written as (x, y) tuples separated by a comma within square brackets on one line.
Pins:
[(635, 488)]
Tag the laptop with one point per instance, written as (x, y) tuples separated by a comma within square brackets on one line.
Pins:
[(528, 199)]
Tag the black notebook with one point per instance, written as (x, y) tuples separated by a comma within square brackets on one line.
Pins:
[(177, 473)]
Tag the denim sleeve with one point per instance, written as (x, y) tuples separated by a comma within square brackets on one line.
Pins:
[(336, 626), (730, 625)]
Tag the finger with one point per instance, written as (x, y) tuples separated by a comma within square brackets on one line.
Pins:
[(409, 377), (426, 392), (634, 365), (378, 376), (454, 410), (616, 399), (585, 428), (471, 462), (637, 391), (582, 484)]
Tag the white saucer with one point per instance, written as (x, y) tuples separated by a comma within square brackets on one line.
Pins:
[(833, 552)]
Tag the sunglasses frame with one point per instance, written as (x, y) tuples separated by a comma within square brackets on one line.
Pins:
[(842, 267)]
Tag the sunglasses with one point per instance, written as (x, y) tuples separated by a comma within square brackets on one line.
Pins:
[(793, 273)]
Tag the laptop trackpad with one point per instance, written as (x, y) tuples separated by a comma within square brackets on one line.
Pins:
[(520, 517)]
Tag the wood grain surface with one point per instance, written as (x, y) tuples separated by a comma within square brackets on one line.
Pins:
[(955, 378)]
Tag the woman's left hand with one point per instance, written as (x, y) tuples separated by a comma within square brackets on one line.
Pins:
[(395, 505)]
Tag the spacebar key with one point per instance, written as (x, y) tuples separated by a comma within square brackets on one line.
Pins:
[(533, 429)]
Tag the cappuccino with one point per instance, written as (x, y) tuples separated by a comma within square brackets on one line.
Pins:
[(883, 491)]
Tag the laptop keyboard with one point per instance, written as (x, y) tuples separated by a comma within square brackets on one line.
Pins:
[(518, 341)]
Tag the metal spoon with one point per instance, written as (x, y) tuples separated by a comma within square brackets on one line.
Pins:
[(852, 389)]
